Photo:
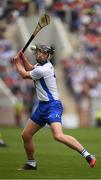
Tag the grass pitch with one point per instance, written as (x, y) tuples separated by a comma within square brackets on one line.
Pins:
[(55, 160)]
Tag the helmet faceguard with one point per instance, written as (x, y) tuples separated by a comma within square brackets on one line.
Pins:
[(47, 49)]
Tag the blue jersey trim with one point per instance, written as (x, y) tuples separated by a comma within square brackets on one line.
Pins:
[(43, 84)]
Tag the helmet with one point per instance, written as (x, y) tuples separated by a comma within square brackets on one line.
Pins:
[(47, 49)]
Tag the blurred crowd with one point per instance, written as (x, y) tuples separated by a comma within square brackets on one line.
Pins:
[(81, 70), (24, 91)]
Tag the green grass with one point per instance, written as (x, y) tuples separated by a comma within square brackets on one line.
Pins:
[(55, 160)]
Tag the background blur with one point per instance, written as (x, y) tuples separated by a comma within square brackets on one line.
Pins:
[(75, 33)]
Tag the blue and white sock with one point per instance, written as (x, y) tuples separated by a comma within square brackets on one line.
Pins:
[(32, 162), (85, 153)]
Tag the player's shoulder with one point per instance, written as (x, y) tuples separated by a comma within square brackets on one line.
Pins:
[(44, 70), (38, 67), (37, 72), (48, 66)]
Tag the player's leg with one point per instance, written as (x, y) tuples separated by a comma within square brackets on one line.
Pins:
[(30, 129), (70, 141)]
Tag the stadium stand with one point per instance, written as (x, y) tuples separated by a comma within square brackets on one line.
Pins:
[(77, 32)]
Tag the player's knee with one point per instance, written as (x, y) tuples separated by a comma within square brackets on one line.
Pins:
[(25, 136)]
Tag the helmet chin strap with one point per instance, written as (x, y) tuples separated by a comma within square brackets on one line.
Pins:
[(49, 57)]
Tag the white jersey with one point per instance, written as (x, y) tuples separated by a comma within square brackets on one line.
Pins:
[(45, 82)]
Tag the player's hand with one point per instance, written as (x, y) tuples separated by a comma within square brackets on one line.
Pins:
[(17, 57), (22, 55)]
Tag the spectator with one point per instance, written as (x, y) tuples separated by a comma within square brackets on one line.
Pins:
[(19, 109)]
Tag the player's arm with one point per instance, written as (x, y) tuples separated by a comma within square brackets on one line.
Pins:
[(20, 68), (25, 61)]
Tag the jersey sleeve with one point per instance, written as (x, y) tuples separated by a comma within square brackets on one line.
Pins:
[(36, 73)]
